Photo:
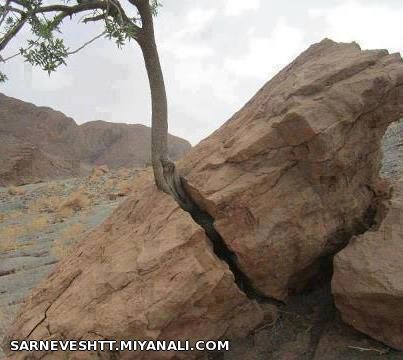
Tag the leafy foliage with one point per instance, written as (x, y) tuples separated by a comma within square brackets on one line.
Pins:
[(155, 5), (9, 23), (46, 48), (46, 51), (49, 54), (118, 32), (3, 77)]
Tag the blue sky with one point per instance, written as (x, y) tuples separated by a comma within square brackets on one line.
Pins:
[(215, 56)]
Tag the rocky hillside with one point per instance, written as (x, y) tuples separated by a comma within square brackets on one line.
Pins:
[(38, 143)]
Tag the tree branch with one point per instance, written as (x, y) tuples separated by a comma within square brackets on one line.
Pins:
[(14, 55), (94, 18), (14, 31), (6, 10), (86, 43), (64, 12), (12, 9), (69, 53)]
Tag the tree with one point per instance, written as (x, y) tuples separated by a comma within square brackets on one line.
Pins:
[(48, 50)]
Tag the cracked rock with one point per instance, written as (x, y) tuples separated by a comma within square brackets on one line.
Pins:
[(286, 181), (291, 176), (149, 272)]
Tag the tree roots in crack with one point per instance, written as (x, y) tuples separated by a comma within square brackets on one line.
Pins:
[(206, 221), (223, 252)]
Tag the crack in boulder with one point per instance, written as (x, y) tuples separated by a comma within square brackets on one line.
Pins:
[(249, 225), (45, 314), (222, 251)]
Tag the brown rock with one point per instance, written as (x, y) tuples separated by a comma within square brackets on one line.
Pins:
[(38, 143), (290, 177), (148, 273), (368, 278)]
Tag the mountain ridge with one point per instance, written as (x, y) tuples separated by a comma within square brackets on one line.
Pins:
[(38, 143)]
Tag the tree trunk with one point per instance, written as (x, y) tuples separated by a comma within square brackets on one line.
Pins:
[(166, 177), (159, 120)]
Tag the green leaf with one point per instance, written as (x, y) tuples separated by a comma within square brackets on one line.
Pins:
[(3, 77), (155, 5), (48, 54)]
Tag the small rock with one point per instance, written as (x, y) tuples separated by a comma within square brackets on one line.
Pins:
[(368, 278)]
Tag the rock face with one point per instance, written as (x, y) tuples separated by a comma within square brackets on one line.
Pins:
[(291, 176), (149, 272), (39, 143), (368, 278), (286, 182)]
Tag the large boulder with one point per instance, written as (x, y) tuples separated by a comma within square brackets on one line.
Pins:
[(149, 272), (291, 176), (283, 184), (368, 278)]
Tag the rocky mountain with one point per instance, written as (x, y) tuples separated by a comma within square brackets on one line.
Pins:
[(39, 143), (278, 192)]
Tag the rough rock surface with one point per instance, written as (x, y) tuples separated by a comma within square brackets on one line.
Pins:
[(292, 175), (38, 143), (288, 179), (149, 272), (36, 230), (368, 278)]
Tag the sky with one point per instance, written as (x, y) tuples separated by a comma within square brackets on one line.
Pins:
[(215, 55)]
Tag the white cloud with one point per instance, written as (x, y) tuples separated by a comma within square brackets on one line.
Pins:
[(237, 7), (208, 74), (267, 55), (372, 25), (197, 19), (192, 59), (181, 42)]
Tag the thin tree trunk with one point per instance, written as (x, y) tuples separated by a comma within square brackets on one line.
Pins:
[(159, 117), (166, 177)]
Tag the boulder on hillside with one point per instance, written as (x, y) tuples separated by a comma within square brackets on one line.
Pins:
[(291, 176), (285, 182), (368, 278)]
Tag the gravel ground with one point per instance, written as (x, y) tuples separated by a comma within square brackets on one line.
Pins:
[(392, 165)]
